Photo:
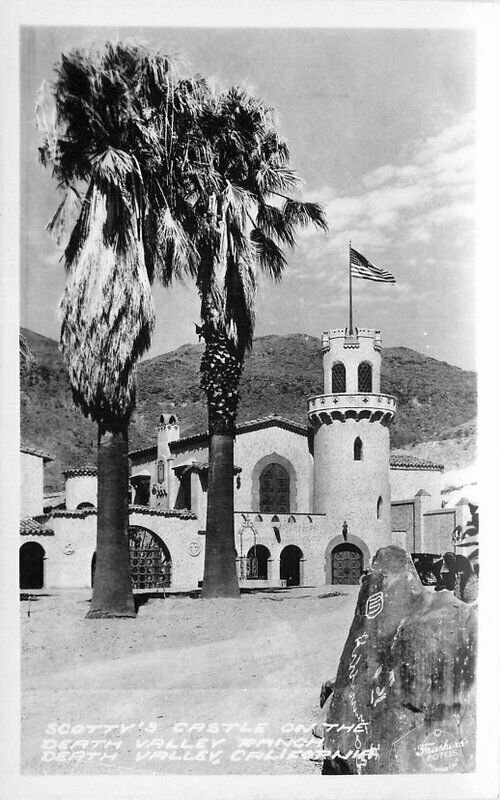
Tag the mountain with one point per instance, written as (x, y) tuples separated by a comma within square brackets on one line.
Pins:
[(435, 399)]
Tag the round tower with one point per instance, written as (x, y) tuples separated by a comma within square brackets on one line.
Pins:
[(350, 424)]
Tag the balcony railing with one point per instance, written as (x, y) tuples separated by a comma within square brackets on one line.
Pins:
[(327, 407)]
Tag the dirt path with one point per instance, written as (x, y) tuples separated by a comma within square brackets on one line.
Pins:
[(245, 673)]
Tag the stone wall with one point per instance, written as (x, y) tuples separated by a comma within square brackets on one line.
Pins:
[(422, 529)]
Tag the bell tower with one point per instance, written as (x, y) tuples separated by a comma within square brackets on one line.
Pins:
[(350, 426)]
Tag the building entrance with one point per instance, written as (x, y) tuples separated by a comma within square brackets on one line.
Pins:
[(31, 557), (290, 565), (347, 564), (150, 560)]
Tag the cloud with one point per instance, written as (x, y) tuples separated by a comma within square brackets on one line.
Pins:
[(429, 186)]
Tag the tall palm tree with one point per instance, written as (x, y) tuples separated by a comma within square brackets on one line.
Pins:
[(245, 216), (105, 120)]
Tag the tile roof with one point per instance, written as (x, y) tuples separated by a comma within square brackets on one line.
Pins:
[(181, 513), (76, 472), (31, 527), (198, 466), (155, 512), (274, 420), (73, 512), (32, 452), (403, 461)]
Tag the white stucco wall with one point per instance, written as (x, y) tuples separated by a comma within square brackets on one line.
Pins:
[(348, 490), (69, 558), (81, 489), (31, 485), (407, 482), (262, 445)]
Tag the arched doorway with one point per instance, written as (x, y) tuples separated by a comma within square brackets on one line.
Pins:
[(31, 558), (347, 564), (290, 559), (258, 557), (150, 561)]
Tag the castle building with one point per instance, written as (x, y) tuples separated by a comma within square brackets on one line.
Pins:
[(313, 502)]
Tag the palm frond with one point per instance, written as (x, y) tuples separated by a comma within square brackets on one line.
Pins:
[(275, 225), (270, 257), (275, 178), (240, 303), (301, 213), (26, 356), (176, 252), (66, 214), (107, 319)]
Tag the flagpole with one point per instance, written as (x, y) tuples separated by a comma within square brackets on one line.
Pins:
[(350, 292)]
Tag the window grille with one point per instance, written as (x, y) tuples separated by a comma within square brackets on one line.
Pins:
[(274, 489), (338, 378), (365, 382)]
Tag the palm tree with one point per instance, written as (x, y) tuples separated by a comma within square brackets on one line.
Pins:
[(26, 357), (245, 217), (103, 119)]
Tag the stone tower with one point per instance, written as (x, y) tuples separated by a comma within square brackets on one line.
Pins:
[(350, 425)]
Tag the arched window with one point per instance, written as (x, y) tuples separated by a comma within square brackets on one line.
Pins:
[(380, 503), (338, 378), (365, 377), (274, 487), (358, 449)]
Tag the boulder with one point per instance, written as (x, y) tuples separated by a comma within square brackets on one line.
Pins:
[(403, 697)]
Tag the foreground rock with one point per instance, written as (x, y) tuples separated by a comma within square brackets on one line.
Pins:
[(403, 700)]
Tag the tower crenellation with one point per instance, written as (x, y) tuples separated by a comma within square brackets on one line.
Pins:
[(357, 355)]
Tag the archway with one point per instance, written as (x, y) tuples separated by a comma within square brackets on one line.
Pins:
[(290, 559), (279, 496), (150, 560), (347, 564), (258, 557), (31, 558)]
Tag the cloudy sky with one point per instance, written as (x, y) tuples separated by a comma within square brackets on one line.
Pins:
[(380, 125)]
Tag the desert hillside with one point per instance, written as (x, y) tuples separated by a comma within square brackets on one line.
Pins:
[(436, 401)]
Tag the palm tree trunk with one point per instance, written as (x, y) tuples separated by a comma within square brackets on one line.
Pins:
[(221, 368), (112, 594), (219, 579)]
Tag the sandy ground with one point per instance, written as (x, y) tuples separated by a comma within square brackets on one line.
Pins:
[(245, 673)]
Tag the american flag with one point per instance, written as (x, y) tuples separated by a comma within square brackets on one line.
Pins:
[(362, 268)]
